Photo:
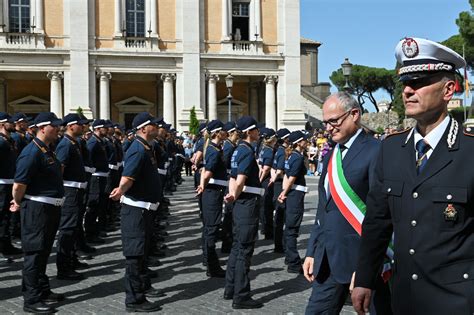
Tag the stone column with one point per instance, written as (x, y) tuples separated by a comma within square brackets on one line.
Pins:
[(270, 104), (168, 98), (253, 110), (56, 97), (212, 96), (3, 99), (118, 19), (104, 100), (153, 18), (226, 9), (39, 17)]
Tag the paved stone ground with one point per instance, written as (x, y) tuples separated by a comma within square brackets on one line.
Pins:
[(182, 276)]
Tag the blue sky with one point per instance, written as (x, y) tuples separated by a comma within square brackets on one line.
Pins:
[(367, 31)]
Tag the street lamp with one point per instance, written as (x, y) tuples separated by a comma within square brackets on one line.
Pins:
[(346, 71), (229, 82)]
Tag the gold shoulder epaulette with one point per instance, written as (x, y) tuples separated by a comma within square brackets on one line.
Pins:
[(469, 131), (398, 133)]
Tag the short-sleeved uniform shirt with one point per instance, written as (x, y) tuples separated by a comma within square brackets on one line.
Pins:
[(126, 144), (98, 154), (111, 151), (243, 163), (68, 152), (39, 169), (265, 157), (279, 159), (215, 162), (199, 145), (84, 152), (20, 140), (294, 166), (8, 155), (228, 149), (140, 165), (118, 149), (161, 156)]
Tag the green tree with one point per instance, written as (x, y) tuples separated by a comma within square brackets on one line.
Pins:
[(79, 110), (365, 81), (193, 122)]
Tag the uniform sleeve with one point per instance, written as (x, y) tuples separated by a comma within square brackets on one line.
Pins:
[(243, 167), (294, 166), (26, 167), (376, 231), (62, 153), (200, 145), (211, 160), (267, 157), (281, 161), (133, 164)]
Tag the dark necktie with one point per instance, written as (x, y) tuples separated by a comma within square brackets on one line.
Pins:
[(422, 148)]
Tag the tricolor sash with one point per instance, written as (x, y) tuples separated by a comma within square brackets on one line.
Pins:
[(349, 203)]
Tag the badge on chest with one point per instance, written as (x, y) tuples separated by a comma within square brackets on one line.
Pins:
[(450, 213)]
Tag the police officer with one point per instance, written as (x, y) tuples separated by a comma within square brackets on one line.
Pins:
[(105, 218), (278, 172), (265, 161), (8, 155), (423, 193), (31, 131), (230, 143), (212, 187), (38, 190), (293, 192), (244, 172), (138, 196), (19, 136), (97, 201), (68, 152)]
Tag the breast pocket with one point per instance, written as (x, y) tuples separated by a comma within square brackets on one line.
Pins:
[(449, 211), (394, 190)]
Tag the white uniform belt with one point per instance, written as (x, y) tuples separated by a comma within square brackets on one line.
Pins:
[(219, 182), (58, 202), (73, 184), (254, 190), (161, 171), (180, 155), (119, 164), (101, 174), (113, 167), (6, 181), (89, 169), (139, 204), (170, 159), (167, 164), (300, 188)]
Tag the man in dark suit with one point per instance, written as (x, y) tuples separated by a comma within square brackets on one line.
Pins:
[(423, 193), (334, 243)]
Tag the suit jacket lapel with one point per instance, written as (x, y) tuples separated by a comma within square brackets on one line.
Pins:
[(355, 149)]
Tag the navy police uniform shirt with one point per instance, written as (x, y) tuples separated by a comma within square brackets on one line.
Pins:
[(265, 157), (199, 145), (68, 152), (228, 149), (294, 166), (140, 165), (8, 156), (243, 163), (38, 168), (20, 140), (86, 159), (126, 144), (161, 156), (111, 151), (279, 159), (215, 162), (98, 154)]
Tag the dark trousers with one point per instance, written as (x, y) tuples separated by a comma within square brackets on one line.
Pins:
[(328, 296), (68, 228), (212, 199), (5, 214), (97, 204), (227, 225), (133, 228), (279, 218), (40, 223), (188, 167), (266, 209), (245, 215), (293, 218)]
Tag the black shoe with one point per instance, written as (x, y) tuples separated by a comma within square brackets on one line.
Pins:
[(247, 304), (153, 262), (83, 256), (228, 295), (102, 234), (5, 260), (52, 297), (70, 275), (144, 307), (215, 272), (158, 253), (95, 240), (39, 308), (279, 250), (268, 236), (87, 249), (10, 250), (225, 249), (152, 274), (295, 270), (77, 265), (154, 293)]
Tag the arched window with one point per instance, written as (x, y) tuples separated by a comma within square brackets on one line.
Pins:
[(19, 16), (135, 18)]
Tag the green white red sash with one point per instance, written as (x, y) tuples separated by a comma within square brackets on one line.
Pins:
[(348, 202)]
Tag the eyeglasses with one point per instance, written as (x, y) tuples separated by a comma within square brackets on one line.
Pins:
[(334, 122)]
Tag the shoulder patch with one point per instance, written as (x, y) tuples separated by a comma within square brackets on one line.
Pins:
[(398, 133), (469, 131)]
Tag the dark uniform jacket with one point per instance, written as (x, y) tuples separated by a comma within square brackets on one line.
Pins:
[(432, 217), (332, 236)]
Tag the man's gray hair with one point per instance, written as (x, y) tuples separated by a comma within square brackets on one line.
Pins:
[(347, 101)]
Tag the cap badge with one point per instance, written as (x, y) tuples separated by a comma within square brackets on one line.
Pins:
[(410, 48)]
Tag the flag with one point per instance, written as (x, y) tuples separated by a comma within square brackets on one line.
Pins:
[(466, 83)]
